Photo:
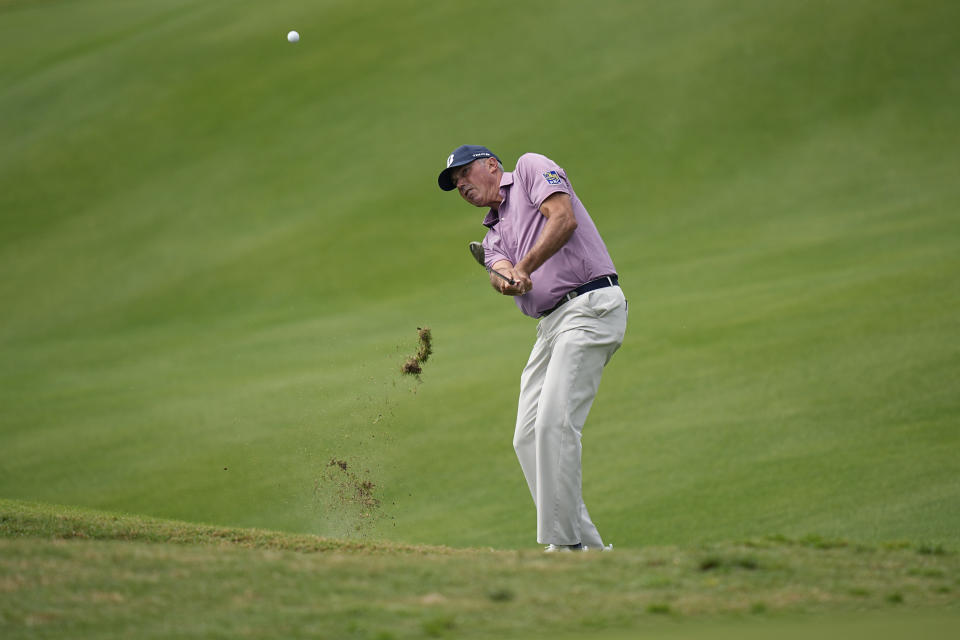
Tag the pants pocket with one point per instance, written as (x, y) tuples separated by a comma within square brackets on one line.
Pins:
[(606, 300)]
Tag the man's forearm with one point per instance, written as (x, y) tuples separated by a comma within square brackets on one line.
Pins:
[(561, 223)]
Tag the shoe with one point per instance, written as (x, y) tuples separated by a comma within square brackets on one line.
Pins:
[(562, 548), (608, 547)]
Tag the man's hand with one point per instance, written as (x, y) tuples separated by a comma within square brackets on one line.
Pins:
[(522, 283)]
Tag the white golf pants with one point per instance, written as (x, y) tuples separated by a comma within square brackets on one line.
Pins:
[(557, 388)]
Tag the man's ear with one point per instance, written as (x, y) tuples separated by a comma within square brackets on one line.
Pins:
[(492, 164)]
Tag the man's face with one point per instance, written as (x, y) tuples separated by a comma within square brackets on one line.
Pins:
[(478, 182)]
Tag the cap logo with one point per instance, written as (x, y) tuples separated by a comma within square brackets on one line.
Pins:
[(449, 161)]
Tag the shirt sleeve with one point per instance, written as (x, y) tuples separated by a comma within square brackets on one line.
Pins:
[(541, 177), (493, 247)]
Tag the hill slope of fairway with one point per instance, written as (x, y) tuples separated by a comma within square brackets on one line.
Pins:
[(69, 572), (217, 248)]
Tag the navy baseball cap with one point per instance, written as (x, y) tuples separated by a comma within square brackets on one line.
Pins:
[(464, 154)]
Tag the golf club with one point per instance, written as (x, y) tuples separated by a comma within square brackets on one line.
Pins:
[(476, 250)]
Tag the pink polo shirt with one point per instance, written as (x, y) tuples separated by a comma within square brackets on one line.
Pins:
[(514, 229)]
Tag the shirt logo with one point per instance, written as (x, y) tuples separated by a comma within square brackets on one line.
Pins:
[(449, 161), (552, 177)]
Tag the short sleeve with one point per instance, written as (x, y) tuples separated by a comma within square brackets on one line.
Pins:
[(493, 247), (541, 177)]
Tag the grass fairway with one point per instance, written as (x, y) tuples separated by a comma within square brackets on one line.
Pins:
[(94, 574), (217, 248)]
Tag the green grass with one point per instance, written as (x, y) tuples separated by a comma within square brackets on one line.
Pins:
[(74, 572), (36, 520), (217, 249)]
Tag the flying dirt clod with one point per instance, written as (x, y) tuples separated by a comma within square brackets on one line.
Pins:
[(413, 364)]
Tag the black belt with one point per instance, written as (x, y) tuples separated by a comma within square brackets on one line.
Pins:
[(599, 283)]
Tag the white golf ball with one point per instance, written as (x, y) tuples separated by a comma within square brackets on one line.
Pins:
[(293, 36)]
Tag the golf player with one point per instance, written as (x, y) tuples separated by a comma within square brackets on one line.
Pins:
[(540, 235)]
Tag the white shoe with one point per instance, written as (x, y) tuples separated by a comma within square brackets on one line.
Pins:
[(608, 547), (564, 548)]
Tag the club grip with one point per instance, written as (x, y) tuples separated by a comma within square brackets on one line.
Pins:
[(497, 273)]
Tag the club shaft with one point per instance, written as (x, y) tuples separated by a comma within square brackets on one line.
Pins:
[(497, 273)]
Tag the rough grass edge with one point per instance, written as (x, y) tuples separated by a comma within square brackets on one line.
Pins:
[(24, 519), (21, 519)]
